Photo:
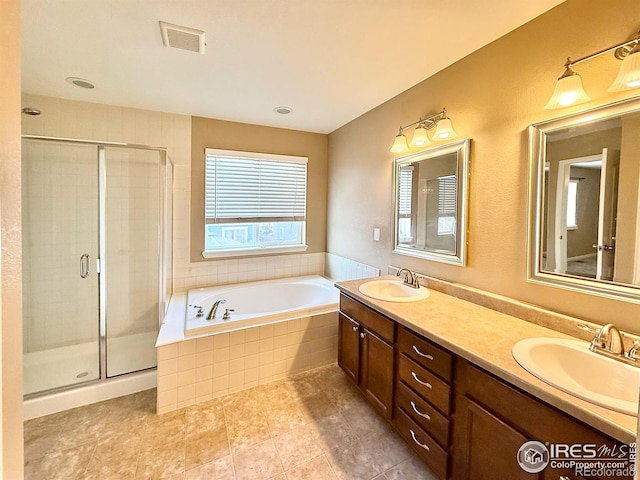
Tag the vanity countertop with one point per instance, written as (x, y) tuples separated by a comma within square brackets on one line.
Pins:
[(485, 338)]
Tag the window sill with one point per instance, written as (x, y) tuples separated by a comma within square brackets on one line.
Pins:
[(256, 251)]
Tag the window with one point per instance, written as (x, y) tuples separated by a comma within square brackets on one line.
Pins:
[(254, 202), (404, 204), (572, 204), (447, 204)]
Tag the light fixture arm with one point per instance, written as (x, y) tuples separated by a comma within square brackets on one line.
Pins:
[(428, 122), (621, 51)]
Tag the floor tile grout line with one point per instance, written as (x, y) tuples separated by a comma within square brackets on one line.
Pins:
[(296, 390)]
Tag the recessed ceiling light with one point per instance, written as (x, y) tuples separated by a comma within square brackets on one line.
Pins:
[(80, 82), (282, 110)]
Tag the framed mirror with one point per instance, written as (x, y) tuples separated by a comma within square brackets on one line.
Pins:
[(431, 197), (584, 209)]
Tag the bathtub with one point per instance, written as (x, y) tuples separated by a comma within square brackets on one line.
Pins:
[(259, 303)]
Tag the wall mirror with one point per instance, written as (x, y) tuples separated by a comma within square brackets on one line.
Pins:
[(431, 191), (584, 215)]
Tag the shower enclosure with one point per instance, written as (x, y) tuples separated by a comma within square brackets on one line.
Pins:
[(96, 259)]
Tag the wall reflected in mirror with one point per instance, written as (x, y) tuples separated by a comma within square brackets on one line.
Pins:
[(431, 203), (585, 182)]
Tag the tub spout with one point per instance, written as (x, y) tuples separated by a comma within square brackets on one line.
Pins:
[(212, 313)]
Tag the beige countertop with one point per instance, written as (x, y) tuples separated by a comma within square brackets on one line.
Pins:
[(485, 337)]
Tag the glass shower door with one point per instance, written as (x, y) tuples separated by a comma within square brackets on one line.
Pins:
[(133, 199), (60, 248)]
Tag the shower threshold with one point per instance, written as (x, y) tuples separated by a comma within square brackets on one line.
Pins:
[(46, 370)]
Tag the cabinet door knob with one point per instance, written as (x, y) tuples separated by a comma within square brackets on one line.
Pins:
[(415, 409), (362, 335), (355, 329), (425, 355), (413, 435), (415, 377)]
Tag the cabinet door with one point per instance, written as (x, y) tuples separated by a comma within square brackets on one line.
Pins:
[(485, 448), (349, 347), (376, 380)]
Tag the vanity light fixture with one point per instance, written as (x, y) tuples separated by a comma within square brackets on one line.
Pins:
[(443, 131), (569, 89)]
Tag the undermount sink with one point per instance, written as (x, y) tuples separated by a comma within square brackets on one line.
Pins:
[(569, 366), (393, 291)]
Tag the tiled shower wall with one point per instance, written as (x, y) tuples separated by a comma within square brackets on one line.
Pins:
[(89, 121), (55, 179)]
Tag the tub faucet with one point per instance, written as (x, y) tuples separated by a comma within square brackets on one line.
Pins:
[(410, 278), (212, 313)]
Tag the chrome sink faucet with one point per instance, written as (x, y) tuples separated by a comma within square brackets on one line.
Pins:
[(212, 313), (410, 278), (609, 342), (609, 339)]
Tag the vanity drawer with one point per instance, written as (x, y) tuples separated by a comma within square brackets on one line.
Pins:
[(425, 383), (426, 353), (426, 447), (423, 414), (382, 326)]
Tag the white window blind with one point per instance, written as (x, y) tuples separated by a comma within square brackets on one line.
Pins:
[(248, 187), (406, 185), (447, 195)]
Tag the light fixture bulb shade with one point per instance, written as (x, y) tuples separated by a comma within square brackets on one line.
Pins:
[(628, 74), (444, 130), (420, 138), (568, 91), (399, 144)]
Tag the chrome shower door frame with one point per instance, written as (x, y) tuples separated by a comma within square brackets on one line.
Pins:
[(164, 255)]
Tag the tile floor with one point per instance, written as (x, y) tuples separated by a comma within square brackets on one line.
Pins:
[(313, 426)]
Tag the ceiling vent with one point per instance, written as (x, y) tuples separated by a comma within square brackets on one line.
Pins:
[(184, 38)]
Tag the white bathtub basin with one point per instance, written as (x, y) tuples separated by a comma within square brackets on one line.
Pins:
[(259, 303), (393, 291), (569, 366)]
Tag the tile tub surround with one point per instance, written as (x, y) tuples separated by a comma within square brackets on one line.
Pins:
[(485, 338), (200, 369), (314, 426)]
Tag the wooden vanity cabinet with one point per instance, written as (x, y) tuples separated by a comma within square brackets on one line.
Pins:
[(492, 420), (365, 352), (463, 422), (423, 398)]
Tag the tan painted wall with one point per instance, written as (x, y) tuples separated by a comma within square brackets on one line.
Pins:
[(11, 451), (628, 202), (209, 133), (491, 96), (580, 241)]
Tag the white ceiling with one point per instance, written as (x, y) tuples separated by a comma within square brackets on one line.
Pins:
[(329, 60)]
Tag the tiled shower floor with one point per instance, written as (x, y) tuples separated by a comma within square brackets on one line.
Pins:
[(314, 426)]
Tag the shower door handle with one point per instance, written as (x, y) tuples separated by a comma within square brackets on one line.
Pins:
[(84, 266)]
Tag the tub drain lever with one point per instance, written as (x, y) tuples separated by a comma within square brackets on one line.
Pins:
[(227, 315)]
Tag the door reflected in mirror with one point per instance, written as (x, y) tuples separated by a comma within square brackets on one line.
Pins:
[(431, 203), (584, 211)]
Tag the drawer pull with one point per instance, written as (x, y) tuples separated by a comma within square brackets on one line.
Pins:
[(362, 335), (415, 409), (355, 329), (424, 355), (413, 435), (415, 377)]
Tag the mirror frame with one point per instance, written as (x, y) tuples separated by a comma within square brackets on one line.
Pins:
[(461, 148), (537, 149)]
